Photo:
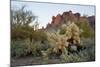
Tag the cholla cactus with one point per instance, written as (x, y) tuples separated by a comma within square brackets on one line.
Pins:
[(73, 32), (60, 42)]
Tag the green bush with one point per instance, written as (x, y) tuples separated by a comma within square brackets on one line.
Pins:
[(37, 47), (39, 36), (20, 48), (87, 54), (21, 33), (86, 30), (62, 29), (20, 23)]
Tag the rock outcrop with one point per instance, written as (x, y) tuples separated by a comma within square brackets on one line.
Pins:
[(69, 16)]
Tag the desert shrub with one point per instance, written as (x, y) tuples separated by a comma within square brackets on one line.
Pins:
[(87, 54), (40, 43), (63, 29), (89, 50), (82, 56), (21, 33), (26, 38), (20, 23), (39, 36), (37, 47), (20, 48), (86, 30)]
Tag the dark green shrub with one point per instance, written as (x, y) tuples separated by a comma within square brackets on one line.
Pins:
[(84, 55), (86, 30), (39, 36), (37, 47), (62, 29), (20, 48)]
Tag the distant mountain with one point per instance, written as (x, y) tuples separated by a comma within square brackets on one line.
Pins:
[(70, 16)]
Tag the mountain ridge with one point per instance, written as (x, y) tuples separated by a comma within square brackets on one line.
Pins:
[(70, 16)]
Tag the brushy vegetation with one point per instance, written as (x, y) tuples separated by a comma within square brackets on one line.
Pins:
[(29, 40), (20, 48), (26, 39), (86, 54)]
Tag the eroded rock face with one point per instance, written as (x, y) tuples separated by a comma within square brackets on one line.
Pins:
[(56, 20), (69, 16)]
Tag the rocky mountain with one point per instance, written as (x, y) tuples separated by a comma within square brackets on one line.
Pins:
[(70, 16)]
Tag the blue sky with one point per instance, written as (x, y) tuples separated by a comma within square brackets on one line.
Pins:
[(45, 11)]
